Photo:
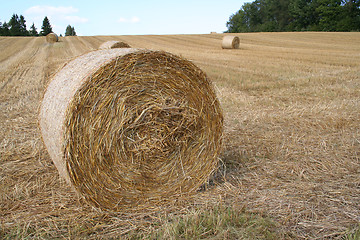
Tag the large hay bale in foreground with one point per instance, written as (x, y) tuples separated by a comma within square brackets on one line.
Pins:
[(129, 126), (52, 37), (114, 44), (230, 42)]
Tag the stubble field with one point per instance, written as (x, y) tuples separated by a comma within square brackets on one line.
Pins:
[(291, 158)]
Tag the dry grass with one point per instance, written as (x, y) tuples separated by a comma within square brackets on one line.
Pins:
[(292, 136)]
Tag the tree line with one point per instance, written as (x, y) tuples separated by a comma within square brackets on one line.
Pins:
[(296, 15), (16, 26)]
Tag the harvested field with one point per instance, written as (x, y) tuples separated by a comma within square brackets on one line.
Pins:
[(291, 138)]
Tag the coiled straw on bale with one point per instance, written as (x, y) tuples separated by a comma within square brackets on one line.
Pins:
[(114, 44), (52, 37), (230, 42), (126, 127)]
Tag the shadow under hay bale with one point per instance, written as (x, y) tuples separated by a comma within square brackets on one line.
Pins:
[(126, 126), (114, 44), (230, 42), (52, 38)]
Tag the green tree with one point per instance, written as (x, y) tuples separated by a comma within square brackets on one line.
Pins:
[(302, 15), (4, 30), (330, 13), (33, 31), (261, 15), (279, 11), (17, 26), (23, 30), (247, 19), (350, 20), (253, 15), (70, 31), (46, 27), (238, 23), (296, 15), (73, 31), (14, 23)]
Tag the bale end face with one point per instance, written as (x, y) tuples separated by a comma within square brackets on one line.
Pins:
[(142, 127)]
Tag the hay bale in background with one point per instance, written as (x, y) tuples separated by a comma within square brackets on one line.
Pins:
[(230, 42), (114, 44), (129, 126), (52, 37)]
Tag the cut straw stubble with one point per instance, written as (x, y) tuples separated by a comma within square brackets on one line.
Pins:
[(127, 127)]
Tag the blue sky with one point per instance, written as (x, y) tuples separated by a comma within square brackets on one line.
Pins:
[(133, 17)]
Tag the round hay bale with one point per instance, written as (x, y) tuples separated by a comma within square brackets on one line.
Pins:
[(127, 127), (114, 44), (230, 42), (52, 37)]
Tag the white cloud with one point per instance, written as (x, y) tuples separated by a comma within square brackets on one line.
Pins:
[(50, 10), (76, 19), (122, 20), (135, 19), (128, 20)]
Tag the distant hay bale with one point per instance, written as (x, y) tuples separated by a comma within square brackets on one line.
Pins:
[(114, 44), (127, 127), (52, 37), (230, 42)]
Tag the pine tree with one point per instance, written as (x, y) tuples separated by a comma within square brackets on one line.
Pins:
[(5, 29), (33, 31), (14, 23), (22, 23), (46, 27), (70, 31), (73, 31)]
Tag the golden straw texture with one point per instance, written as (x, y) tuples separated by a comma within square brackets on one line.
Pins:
[(114, 44), (230, 42), (137, 127), (51, 38)]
